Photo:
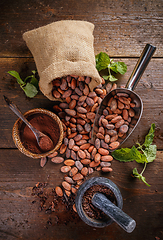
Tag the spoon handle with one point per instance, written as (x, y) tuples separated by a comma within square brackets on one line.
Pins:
[(115, 213), (16, 110), (140, 66)]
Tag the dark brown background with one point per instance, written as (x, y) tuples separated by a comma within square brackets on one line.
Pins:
[(122, 28)]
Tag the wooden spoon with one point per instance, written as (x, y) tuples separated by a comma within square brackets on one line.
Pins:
[(44, 142)]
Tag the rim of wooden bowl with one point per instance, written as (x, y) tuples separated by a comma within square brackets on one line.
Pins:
[(16, 135)]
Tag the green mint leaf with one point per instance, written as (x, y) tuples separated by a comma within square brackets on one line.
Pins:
[(30, 90), (118, 67), (121, 67), (150, 136), (34, 81), (112, 78), (123, 155), (105, 77), (17, 76), (137, 156), (102, 61), (139, 176), (150, 153), (113, 67)]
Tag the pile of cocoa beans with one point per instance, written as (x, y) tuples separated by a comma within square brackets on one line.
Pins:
[(115, 120), (77, 112)]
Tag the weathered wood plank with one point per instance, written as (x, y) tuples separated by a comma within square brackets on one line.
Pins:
[(121, 27), (21, 219), (149, 88)]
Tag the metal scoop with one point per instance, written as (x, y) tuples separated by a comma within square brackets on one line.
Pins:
[(130, 86), (43, 141)]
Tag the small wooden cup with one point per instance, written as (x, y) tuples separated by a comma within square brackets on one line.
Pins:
[(17, 139)]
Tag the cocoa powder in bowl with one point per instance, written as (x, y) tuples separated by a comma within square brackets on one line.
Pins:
[(44, 124), (89, 208)]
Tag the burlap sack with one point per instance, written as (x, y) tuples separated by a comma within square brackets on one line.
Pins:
[(63, 48)]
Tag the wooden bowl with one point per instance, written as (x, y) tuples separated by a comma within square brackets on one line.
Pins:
[(17, 138)]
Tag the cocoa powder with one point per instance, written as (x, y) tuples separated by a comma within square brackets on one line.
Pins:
[(89, 208), (44, 124)]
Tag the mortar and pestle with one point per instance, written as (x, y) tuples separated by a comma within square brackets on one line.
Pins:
[(99, 201)]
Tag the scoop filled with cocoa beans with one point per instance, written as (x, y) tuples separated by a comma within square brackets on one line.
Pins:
[(121, 109)]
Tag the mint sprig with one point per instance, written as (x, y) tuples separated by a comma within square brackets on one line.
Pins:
[(29, 85), (104, 62), (144, 154)]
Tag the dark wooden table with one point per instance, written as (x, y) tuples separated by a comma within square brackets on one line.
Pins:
[(122, 28)]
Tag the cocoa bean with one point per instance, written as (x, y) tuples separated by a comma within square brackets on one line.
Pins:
[(81, 142), (103, 151), (105, 164), (75, 96), (81, 154), (81, 110), (110, 126), (85, 146), (104, 144), (114, 138), (79, 165), (97, 157), (116, 119), (71, 143), (73, 171), (63, 105), (56, 94), (67, 93), (87, 127), (77, 90), (113, 105), (57, 159), (104, 122), (73, 154), (97, 143), (86, 90), (114, 145), (65, 169), (119, 123), (107, 158), (131, 112), (87, 80), (66, 185), (81, 121), (107, 138), (91, 115), (69, 180), (54, 154), (59, 191), (70, 112), (84, 171), (89, 101), (77, 177), (107, 169), (85, 161), (62, 149), (99, 135), (75, 148), (111, 132), (123, 129), (69, 162), (94, 164), (72, 104)]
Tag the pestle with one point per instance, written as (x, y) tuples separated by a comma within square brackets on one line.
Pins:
[(115, 213)]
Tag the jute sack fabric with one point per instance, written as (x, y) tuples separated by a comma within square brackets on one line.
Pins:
[(63, 48)]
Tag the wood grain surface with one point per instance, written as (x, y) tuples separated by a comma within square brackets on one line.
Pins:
[(122, 28)]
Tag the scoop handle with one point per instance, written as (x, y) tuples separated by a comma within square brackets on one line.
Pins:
[(140, 66), (115, 213)]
